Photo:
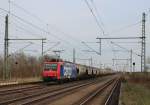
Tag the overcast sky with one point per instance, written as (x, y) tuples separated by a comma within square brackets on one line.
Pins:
[(70, 22)]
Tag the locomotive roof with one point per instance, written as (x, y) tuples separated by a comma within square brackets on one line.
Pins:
[(60, 60)]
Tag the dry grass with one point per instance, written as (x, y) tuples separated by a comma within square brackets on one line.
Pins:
[(140, 78), (135, 90), (135, 94)]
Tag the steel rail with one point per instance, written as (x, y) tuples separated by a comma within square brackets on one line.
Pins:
[(66, 88), (99, 90), (108, 100), (59, 92), (16, 90)]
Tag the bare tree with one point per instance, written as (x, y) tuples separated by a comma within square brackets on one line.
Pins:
[(23, 66)]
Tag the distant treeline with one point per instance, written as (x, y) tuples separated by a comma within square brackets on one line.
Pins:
[(22, 66)]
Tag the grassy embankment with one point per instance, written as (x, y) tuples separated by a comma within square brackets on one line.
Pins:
[(136, 89)]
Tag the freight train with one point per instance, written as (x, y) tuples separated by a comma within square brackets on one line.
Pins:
[(59, 70)]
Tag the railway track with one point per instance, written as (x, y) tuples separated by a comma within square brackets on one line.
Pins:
[(104, 95), (19, 89), (56, 94), (32, 97), (24, 88), (113, 97), (38, 95), (62, 93)]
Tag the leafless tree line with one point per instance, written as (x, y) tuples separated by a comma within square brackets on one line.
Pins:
[(22, 66)]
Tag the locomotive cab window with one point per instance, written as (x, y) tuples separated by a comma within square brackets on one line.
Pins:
[(50, 67)]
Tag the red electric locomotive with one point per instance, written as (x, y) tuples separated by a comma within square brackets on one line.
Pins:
[(59, 71)]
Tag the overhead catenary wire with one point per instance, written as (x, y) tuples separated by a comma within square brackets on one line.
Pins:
[(36, 27), (124, 48), (96, 10), (21, 49), (96, 20), (27, 12), (125, 27), (26, 30), (49, 49), (38, 18), (29, 23), (33, 34), (91, 48), (129, 26), (95, 17)]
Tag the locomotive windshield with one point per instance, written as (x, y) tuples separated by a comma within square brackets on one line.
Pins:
[(50, 67)]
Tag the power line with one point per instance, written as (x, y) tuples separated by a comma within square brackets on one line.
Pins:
[(95, 17), (125, 48), (21, 49), (37, 27), (69, 36), (126, 27), (49, 49), (120, 28), (21, 27), (91, 48), (96, 10), (23, 20), (29, 23), (36, 17), (27, 12)]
